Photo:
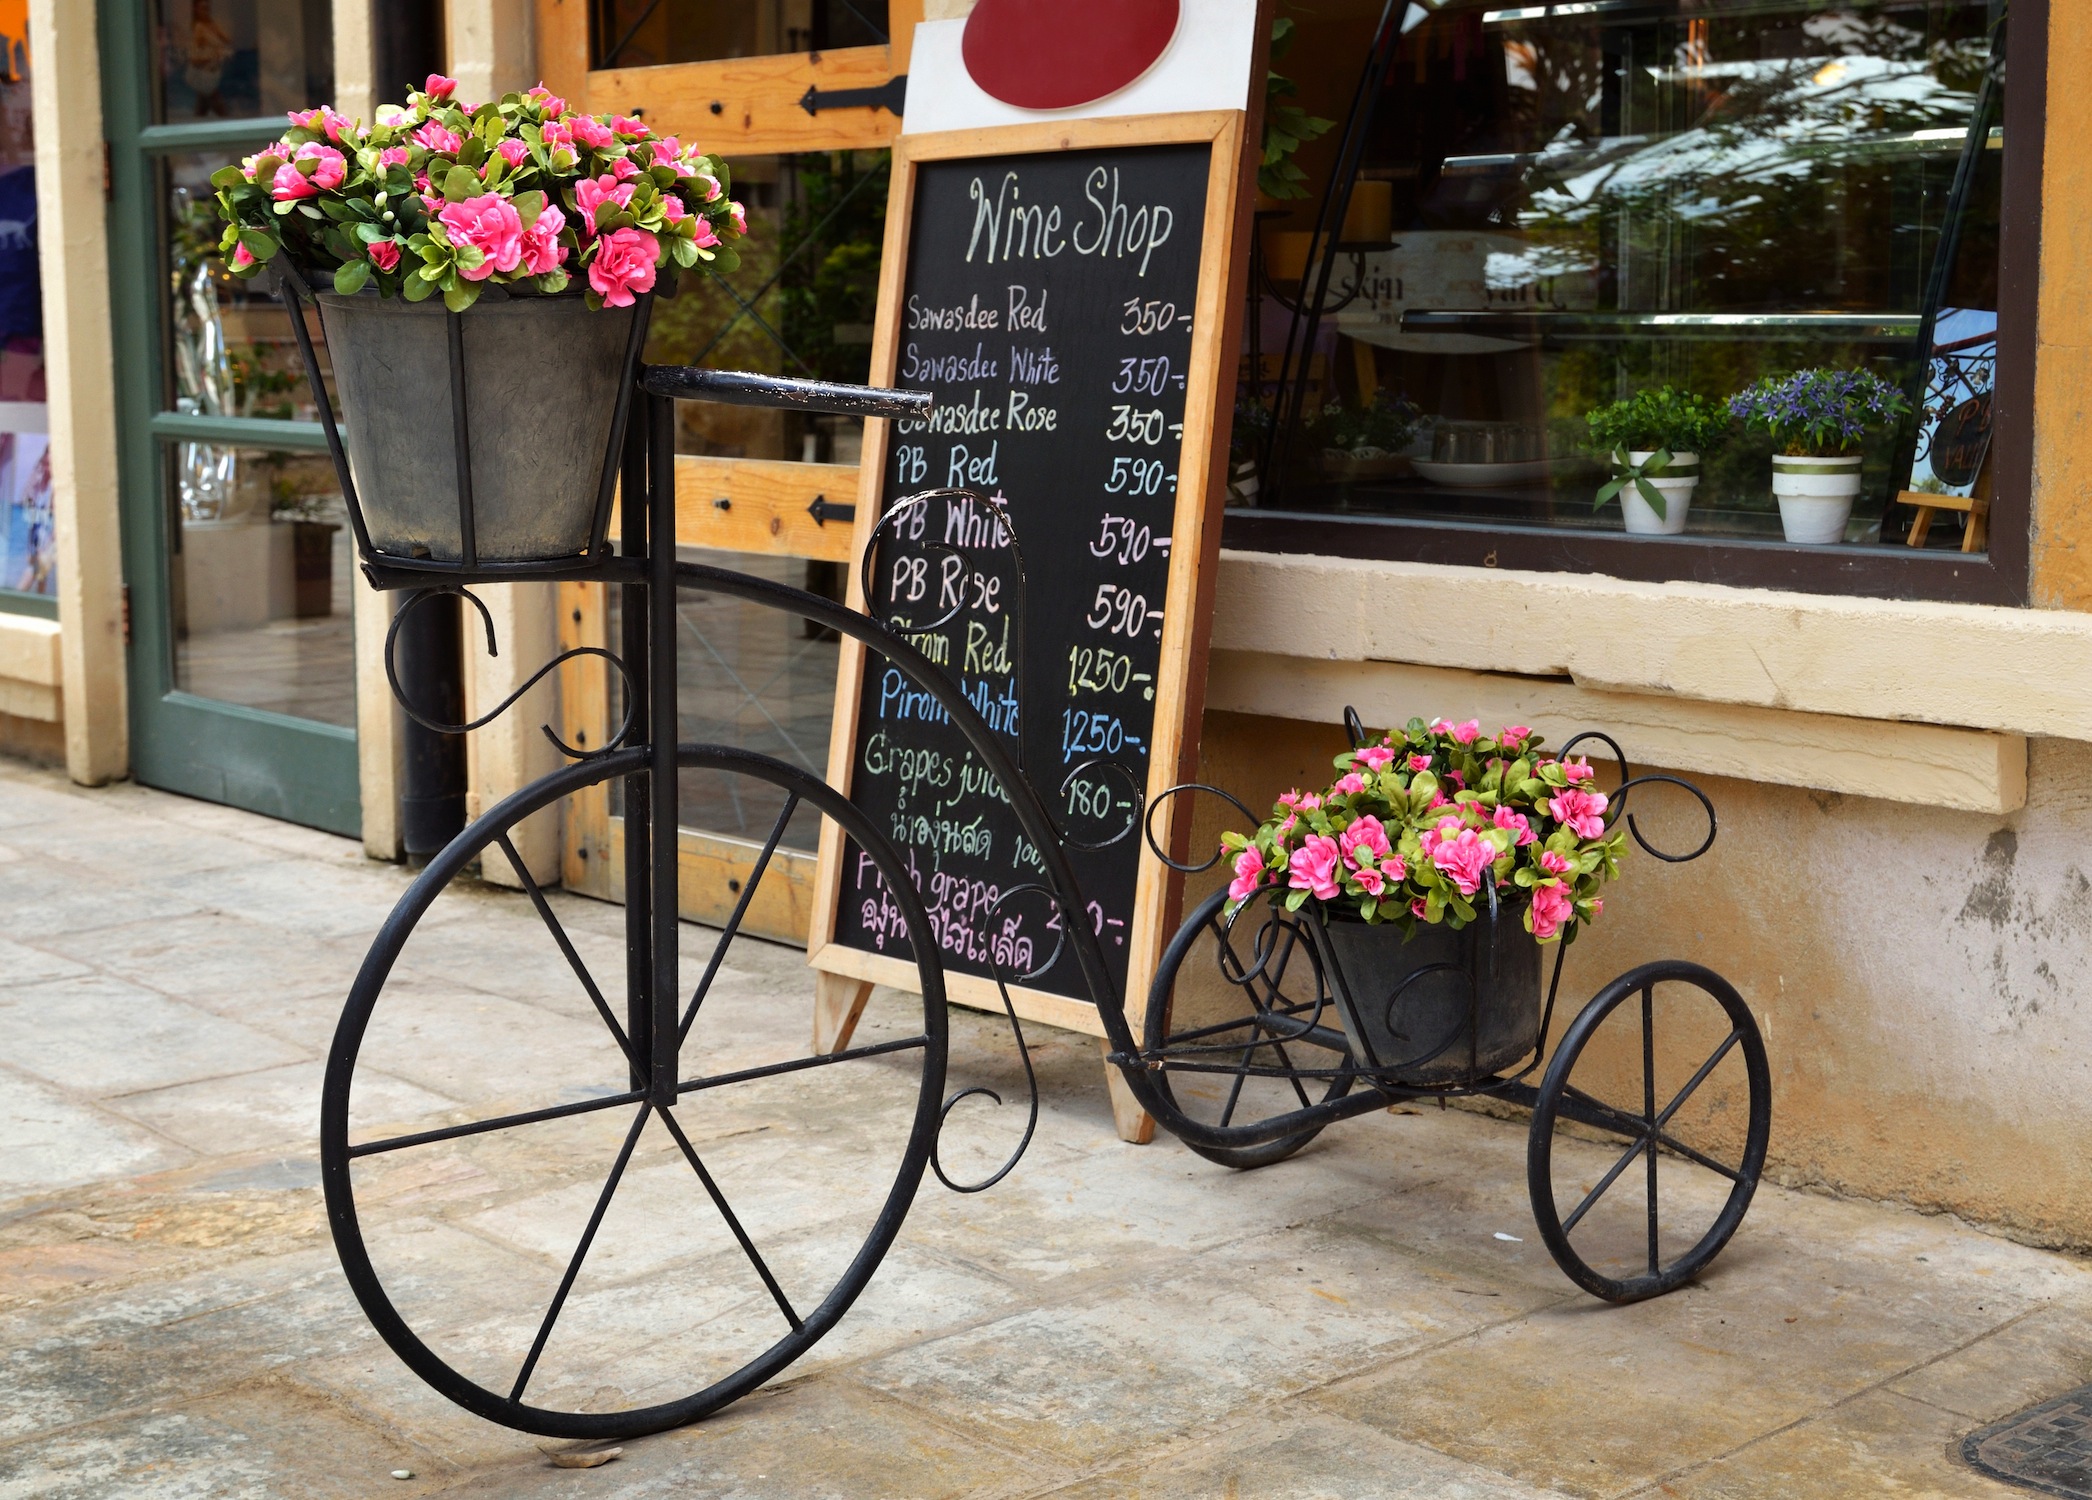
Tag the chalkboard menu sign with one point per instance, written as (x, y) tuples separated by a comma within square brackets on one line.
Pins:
[(1067, 306)]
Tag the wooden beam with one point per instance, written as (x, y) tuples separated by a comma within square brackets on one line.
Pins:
[(751, 104), (764, 506)]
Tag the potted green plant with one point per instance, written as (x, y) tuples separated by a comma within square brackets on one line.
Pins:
[(1438, 852), (516, 239), (1654, 440), (1818, 419), (1366, 442)]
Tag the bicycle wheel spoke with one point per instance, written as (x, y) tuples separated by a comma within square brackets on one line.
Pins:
[(1603, 1183), (559, 936), (588, 1236), (800, 1064), (1649, 1107), (733, 1222), (1279, 1048), (1697, 1079), (733, 923), (501, 1122), (1227, 1113), (1700, 1157)]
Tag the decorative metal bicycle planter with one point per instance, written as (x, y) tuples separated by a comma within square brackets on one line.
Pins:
[(1264, 1026), (694, 1344)]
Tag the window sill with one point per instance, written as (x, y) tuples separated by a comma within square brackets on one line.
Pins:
[(31, 675), (1919, 702)]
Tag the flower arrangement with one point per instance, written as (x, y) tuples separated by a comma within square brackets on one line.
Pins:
[(1820, 413), (441, 197), (1417, 826), (1663, 423)]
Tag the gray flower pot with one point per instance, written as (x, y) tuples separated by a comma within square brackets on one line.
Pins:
[(1442, 1007), (542, 377)]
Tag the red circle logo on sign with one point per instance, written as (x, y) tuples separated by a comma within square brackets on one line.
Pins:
[(1056, 54)]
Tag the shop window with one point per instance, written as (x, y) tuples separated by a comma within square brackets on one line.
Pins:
[(28, 555), (237, 59), (1521, 215), (643, 33)]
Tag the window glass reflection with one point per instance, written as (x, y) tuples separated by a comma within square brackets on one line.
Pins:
[(236, 59)]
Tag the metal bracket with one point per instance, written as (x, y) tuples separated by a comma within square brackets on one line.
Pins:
[(824, 510), (889, 96)]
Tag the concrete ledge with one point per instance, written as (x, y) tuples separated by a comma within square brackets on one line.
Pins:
[(1958, 768), (31, 674), (1976, 666)]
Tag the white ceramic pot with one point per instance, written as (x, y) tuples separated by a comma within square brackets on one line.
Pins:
[(1681, 476), (1815, 496)]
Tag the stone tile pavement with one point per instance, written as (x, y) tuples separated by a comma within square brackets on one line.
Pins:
[(1109, 1322)]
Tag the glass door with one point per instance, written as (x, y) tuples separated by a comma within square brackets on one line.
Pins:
[(236, 552)]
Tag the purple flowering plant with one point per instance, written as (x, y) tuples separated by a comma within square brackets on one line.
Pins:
[(1820, 413)]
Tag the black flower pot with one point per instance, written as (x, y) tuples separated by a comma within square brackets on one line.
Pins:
[(1441, 1007), (540, 380)]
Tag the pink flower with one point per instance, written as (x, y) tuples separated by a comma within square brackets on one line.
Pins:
[(490, 224), (1464, 734), (250, 164), (1290, 799), (242, 257), (513, 151), (703, 235), (1438, 800), (1513, 736), (735, 212), (1370, 880), (666, 150), (1309, 801), (623, 169), (1582, 813), (1314, 866), (1555, 864), (331, 168), (1369, 834), (542, 251), (1551, 908), (289, 184), (624, 264), (1576, 770), (1419, 909), (711, 185), (1249, 874), (1457, 779), (631, 125), (439, 87), (1597, 905), (438, 139), (672, 210), (546, 100), (554, 133), (1504, 817), (591, 191), (324, 120), (384, 254), (393, 156), (1287, 826), (1419, 763), (591, 132), (1464, 858), (1376, 757), (1350, 782)]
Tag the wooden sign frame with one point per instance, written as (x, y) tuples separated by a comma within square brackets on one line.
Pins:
[(846, 975)]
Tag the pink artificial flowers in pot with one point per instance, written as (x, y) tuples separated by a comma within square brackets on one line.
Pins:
[(545, 233)]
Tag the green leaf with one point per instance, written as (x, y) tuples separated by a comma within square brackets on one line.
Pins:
[(415, 289), (529, 206), (461, 296), (460, 183), (350, 278), (228, 177), (685, 253), (260, 246)]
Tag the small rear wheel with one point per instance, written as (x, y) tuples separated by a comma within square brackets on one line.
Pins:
[(1668, 1060), (1241, 1020)]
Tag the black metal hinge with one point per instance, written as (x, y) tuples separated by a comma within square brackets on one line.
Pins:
[(824, 510), (889, 96)]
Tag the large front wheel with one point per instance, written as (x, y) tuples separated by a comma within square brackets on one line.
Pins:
[(536, 1239)]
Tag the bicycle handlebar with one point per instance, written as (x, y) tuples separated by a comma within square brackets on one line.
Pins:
[(736, 388)]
